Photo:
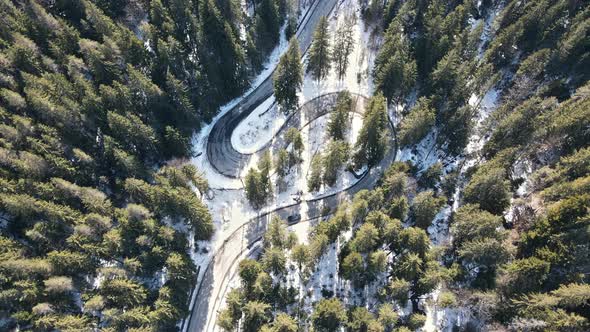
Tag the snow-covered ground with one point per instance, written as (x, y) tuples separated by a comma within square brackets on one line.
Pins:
[(258, 128), (357, 78)]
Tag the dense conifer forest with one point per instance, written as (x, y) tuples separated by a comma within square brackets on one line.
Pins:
[(97, 98)]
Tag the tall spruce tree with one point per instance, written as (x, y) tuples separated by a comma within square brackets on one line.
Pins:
[(267, 25), (231, 11), (223, 55), (335, 157), (340, 117), (395, 69), (320, 55), (314, 178), (343, 46), (288, 78), (371, 142), (417, 123)]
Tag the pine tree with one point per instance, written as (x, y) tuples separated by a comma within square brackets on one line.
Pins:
[(489, 188), (231, 11), (252, 187), (265, 166), (291, 28), (425, 207), (274, 261), (340, 116), (320, 55), (388, 317), (328, 315), (417, 124), (335, 156), (428, 51), (353, 268), (223, 57), (282, 163), (284, 323), (395, 69), (343, 46), (267, 26), (365, 238), (301, 255), (314, 178), (294, 143), (371, 142), (255, 315), (456, 129), (288, 78), (184, 21), (416, 321)]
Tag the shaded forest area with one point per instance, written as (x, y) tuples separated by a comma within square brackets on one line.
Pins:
[(95, 97)]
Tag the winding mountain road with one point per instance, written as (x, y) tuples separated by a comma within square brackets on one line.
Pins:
[(220, 152), (228, 161)]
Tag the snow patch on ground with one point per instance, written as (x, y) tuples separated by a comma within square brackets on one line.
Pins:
[(301, 229), (258, 128), (423, 155), (443, 319), (439, 230)]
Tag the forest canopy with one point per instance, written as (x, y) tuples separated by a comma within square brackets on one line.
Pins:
[(96, 98)]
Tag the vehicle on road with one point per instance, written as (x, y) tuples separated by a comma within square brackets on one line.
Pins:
[(293, 219)]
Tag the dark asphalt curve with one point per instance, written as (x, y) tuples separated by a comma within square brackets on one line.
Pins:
[(220, 151)]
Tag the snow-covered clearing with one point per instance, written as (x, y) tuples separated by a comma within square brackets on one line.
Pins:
[(358, 76), (258, 128)]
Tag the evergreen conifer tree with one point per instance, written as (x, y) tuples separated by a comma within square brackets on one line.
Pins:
[(267, 25), (417, 123), (282, 163), (288, 78), (314, 179), (336, 156), (343, 46), (253, 188), (340, 116), (395, 68), (371, 142), (223, 56), (320, 55)]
